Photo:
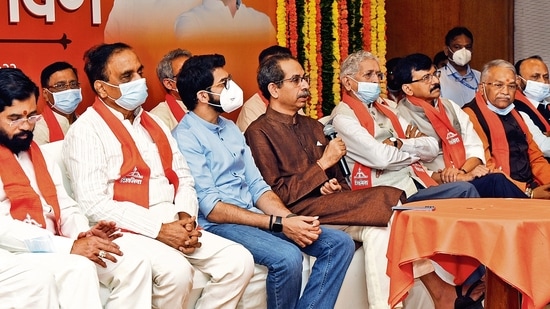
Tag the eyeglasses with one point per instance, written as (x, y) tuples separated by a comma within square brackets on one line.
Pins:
[(500, 86), (426, 79), (65, 86), (295, 79), (224, 81), (31, 119)]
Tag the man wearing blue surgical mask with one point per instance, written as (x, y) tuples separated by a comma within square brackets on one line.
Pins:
[(532, 100), (125, 165), (458, 80), (62, 94)]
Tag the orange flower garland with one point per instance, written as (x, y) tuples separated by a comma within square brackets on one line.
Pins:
[(299, 28)]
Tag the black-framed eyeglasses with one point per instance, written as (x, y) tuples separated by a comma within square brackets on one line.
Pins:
[(224, 81), (499, 86), (64, 86), (295, 79), (426, 79)]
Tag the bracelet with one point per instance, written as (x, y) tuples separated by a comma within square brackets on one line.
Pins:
[(321, 166), (463, 170), (271, 222)]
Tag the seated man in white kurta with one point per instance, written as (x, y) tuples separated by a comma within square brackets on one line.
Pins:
[(44, 226)]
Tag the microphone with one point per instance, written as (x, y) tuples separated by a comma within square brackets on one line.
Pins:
[(330, 132)]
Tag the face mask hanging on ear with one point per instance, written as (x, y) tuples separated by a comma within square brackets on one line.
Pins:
[(230, 99), (536, 90), (367, 92), (461, 57), (66, 101), (499, 111), (133, 94)]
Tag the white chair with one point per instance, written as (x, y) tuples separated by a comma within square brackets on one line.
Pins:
[(352, 295)]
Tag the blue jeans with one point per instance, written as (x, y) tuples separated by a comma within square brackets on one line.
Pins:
[(334, 250), (446, 190)]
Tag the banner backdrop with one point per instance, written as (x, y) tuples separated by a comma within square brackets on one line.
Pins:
[(35, 33)]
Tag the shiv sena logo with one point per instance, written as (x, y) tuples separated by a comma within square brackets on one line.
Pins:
[(452, 138), (134, 177)]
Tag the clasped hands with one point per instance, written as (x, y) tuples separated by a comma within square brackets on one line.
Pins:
[(303, 230), (452, 174), (182, 234), (97, 241)]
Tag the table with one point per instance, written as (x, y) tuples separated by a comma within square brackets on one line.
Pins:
[(510, 236)]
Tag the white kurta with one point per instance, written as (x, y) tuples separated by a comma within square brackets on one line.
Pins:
[(370, 151), (77, 277), (93, 157)]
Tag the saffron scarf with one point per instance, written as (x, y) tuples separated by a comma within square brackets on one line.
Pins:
[(361, 174), (26, 205), (454, 153), (499, 144), (133, 184), (56, 133), (175, 108)]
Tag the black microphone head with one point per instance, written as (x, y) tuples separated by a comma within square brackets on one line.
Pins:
[(329, 130)]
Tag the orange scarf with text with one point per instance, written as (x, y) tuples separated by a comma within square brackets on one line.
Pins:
[(175, 108), (133, 184), (499, 144), (361, 174), (454, 152), (26, 205), (521, 97), (56, 133)]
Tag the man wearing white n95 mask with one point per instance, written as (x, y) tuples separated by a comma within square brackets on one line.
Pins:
[(532, 102), (458, 80), (126, 167), (62, 95)]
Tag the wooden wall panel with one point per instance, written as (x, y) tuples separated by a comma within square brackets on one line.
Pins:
[(421, 25)]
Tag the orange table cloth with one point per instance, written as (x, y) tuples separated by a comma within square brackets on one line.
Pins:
[(510, 236)]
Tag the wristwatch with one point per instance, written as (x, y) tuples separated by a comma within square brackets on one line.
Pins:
[(277, 226), (394, 141)]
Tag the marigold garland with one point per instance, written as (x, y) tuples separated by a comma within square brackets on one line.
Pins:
[(321, 33)]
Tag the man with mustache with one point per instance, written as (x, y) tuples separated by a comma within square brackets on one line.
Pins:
[(300, 164), (44, 227), (461, 155), (508, 144), (235, 202)]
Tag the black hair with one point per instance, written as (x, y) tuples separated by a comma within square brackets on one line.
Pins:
[(197, 74), (48, 71), (390, 66), (405, 67), (519, 62), (96, 58), (456, 31), (271, 51), (15, 85), (270, 72)]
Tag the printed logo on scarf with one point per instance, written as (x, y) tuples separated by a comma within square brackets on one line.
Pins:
[(134, 177)]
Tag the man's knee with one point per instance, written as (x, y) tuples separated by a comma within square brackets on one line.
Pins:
[(465, 189)]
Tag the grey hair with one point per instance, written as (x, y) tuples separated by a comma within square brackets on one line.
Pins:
[(350, 66), (164, 68), (496, 63)]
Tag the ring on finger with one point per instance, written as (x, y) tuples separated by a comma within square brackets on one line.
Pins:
[(102, 254)]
